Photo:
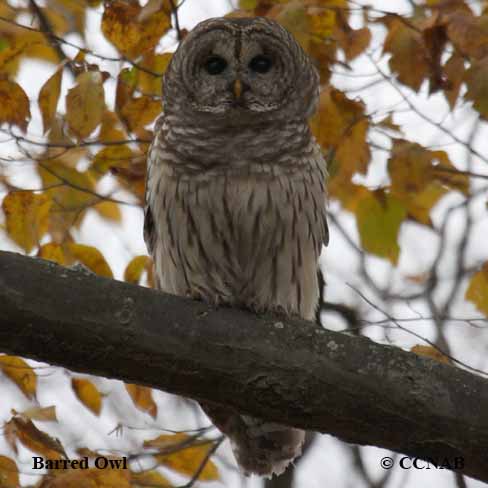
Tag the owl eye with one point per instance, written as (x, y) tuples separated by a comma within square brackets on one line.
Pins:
[(260, 64), (215, 65)]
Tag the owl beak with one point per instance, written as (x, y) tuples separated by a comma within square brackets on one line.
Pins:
[(237, 88)]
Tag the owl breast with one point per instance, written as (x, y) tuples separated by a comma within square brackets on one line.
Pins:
[(246, 234)]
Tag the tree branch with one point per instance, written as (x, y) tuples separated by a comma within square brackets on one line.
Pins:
[(282, 370)]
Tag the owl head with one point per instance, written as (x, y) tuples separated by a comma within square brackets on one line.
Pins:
[(238, 70)]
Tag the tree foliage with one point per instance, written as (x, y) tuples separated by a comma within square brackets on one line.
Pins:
[(89, 126)]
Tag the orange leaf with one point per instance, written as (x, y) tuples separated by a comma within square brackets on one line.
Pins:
[(26, 217), (135, 268), (85, 103), (14, 104), (9, 473), (92, 258), (430, 352), (20, 373), (108, 210), (53, 252), (132, 29), (149, 479), (477, 291), (48, 98), (142, 398), (139, 112), (88, 394)]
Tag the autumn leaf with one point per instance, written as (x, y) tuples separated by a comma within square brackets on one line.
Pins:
[(88, 394), (142, 398), (108, 210), (139, 112), (149, 479), (110, 157), (379, 216), (91, 478), (477, 292), (475, 78), (14, 104), (131, 29), (430, 352), (53, 252), (26, 216), (454, 72), (34, 439), (468, 33), (189, 459), (409, 56), (85, 103), (44, 414), (136, 267), (341, 125), (149, 83), (92, 258), (9, 473), (48, 98), (20, 373)]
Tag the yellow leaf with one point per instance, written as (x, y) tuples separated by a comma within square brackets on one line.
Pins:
[(128, 27), (477, 291), (88, 394), (53, 252), (142, 398), (408, 53), (148, 83), (108, 210), (48, 98), (92, 258), (139, 112), (20, 373), (14, 104), (9, 473), (189, 459), (36, 440), (111, 128), (136, 267), (149, 479), (341, 125), (85, 103), (379, 217), (475, 78), (430, 352), (111, 157), (45, 414), (26, 217), (164, 441)]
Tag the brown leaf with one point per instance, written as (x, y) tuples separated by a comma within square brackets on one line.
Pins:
[(149, 479), (36, 440), (26, 216), (475, 78), (88, 394), (85, 103), (48, 98), (43, 414), (90, 478), (468, 33), (409, 56), (139, 112), (20, 373), (454, 73), (142, 398), (14, 104)]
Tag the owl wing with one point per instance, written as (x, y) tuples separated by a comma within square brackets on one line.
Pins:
[(150, 233)]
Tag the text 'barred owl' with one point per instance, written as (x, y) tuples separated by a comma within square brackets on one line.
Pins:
[(235, 196)]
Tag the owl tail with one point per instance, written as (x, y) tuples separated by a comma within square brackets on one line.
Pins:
[(260, 447)]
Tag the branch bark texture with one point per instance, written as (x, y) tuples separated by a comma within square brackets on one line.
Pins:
[(282, 370)]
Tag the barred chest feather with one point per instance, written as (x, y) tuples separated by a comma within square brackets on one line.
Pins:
[(245, 233)]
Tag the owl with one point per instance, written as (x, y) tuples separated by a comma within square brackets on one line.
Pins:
[(235, 192)]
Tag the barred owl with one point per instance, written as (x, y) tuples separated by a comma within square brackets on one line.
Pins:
[(235, 193)]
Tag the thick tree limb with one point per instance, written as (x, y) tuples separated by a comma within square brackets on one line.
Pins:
[(287, 371)]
